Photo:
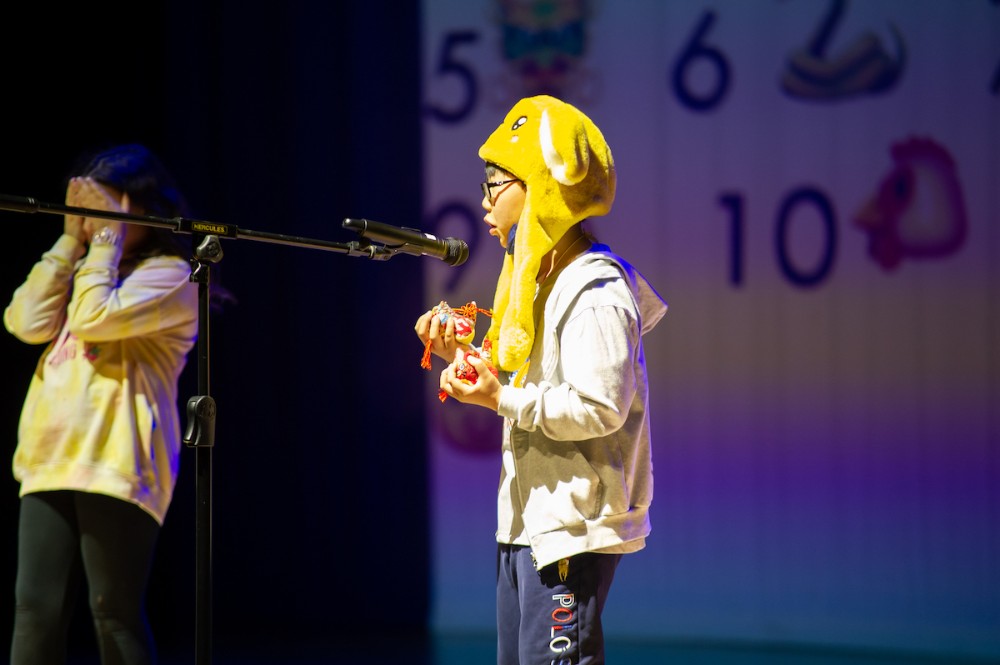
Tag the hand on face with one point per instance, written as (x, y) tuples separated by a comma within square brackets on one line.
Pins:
[(73, 224), (88, 193)]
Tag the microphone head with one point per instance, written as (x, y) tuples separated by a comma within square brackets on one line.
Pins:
[(357, 225), (458, 252), (452, 251)]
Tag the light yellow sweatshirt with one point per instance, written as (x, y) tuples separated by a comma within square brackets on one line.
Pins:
[(101, 410)]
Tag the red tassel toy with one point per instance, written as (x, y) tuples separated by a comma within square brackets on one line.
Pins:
[(465, 331), (465, 324), (467, 373)]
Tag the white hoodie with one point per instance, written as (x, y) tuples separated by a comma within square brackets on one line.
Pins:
[(577, 470)]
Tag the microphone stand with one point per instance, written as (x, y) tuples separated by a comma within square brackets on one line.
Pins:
[(201, 409)]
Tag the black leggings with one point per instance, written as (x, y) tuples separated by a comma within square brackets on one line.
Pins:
[(62, 535)]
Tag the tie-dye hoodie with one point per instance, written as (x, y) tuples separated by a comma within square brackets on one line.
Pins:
[(101, 410)]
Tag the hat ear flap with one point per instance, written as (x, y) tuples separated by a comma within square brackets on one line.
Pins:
[(565, 149), (500, 301), (516, 311)]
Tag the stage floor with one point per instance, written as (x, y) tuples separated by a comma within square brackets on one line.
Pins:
[(480, 650)]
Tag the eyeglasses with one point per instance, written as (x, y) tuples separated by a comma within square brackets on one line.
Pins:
[(488, 186)]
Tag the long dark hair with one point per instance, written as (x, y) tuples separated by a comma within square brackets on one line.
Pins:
[(134, 169)]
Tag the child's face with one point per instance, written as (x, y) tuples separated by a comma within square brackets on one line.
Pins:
[(504, 210)]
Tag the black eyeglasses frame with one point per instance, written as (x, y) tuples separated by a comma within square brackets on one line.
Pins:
[(487, 188)]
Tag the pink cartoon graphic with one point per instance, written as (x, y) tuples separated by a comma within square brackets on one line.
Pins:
[(918, 211)]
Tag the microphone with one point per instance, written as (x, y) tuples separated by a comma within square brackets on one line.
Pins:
[(452, 251)]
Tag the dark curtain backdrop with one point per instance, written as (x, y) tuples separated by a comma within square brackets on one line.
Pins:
[(287, 120)]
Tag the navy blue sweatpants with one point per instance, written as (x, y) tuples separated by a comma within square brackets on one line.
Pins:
[(551, 616)]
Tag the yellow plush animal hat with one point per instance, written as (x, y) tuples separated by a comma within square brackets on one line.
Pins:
[(569, 174)]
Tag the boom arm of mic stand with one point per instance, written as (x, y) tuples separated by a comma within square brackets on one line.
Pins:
[(362, 249)]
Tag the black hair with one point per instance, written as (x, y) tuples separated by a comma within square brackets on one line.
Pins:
[(493, 170)]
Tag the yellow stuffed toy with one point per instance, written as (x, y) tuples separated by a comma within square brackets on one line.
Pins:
[(566, 166)]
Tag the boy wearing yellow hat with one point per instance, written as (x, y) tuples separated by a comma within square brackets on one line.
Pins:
[(566, 335)]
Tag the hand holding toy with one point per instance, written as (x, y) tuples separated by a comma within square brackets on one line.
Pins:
[(466, 373), (465, 324)]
